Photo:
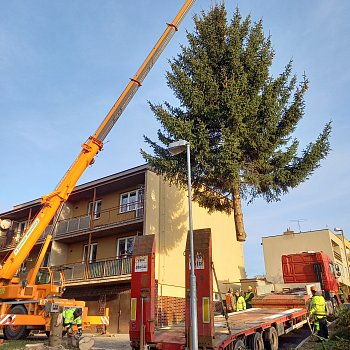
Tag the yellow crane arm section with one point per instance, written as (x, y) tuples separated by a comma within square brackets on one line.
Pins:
[(90, 148)]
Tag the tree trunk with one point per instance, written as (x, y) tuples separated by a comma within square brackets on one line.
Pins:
[(238, 215), (56, 326)]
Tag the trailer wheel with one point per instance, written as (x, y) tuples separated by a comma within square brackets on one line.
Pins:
[(255, 341), (17, 332), (271, 339), (239, 345)]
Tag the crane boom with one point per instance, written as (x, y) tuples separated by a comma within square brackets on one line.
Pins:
[(90, 148)]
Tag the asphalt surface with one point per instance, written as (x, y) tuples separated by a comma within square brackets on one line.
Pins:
[(293, 339), (121, 341)]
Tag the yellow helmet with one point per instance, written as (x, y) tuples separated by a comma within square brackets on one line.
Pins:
[(250, 288)]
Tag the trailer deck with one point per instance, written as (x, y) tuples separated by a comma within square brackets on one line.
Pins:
[(241, 325)]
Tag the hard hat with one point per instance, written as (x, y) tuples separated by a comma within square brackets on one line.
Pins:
[(250, 288), (313, 289)]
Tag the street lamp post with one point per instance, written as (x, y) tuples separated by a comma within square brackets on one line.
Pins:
[(175, 148), (337, 229)]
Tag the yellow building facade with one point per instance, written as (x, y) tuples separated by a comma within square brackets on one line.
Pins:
[(94, 237)]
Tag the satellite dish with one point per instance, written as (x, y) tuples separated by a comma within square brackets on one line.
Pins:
[(5, 224)]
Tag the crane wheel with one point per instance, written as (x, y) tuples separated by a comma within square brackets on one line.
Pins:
[(239, 345), (271, 339), (16, 332)]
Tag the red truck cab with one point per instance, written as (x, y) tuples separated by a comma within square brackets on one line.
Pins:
[(312, 267)]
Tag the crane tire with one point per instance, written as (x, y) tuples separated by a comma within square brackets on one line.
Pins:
[(239, 345), (271, 339), (16, 332)]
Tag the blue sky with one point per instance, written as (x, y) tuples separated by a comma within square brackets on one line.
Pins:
[(63, 64)]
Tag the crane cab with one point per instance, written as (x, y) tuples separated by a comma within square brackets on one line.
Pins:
[(49, 282)]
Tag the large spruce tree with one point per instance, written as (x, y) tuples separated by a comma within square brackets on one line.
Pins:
[(238, 119)]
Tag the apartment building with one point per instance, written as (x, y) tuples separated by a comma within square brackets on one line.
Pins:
[(336, 246), (94, 237)]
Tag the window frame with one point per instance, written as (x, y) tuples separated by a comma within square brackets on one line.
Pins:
[(125, 239), (22, 226), (85, 248), (96, 210), (132, 206)]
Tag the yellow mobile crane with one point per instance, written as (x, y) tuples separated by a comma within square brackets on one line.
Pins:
[(23, 302)]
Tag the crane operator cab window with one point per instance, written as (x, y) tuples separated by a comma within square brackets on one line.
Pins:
[(43, 277)]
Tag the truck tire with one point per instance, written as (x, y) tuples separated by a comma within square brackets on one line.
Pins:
[(16, 332), (271, 339), (255, 341), (239, 345)]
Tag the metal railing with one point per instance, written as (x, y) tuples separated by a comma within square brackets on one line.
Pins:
[(16, 235), (97, 269), (105, 217), (115, 215), (75, 224)]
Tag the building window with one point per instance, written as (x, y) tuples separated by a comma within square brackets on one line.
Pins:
[(125, 246), (21, 227), (93, 252), (97, 210), (128, 201)]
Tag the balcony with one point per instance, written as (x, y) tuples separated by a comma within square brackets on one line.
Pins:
[(97, 271), (14, 236), (115, 216), (109, 217)]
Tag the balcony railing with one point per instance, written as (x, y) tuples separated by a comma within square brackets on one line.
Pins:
[(115, 215), (106, 217), (15, 236), (74, 224), (97, 269)]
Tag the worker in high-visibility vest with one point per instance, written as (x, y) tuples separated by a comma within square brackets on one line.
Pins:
[(319, 313), (230, 301), (249, 297), (240, 302), (73, 316)]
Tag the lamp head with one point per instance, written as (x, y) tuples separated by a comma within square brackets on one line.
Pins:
[(177, 147)]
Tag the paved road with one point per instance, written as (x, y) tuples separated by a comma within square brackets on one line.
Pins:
[(293, 339), (120, 341)]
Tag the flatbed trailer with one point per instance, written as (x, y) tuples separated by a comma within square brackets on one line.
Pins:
[(256, 329)]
